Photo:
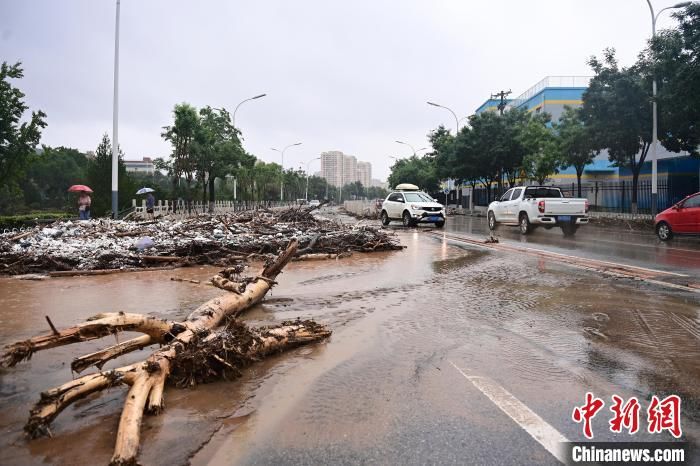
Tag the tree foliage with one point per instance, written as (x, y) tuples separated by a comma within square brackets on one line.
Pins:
[(541, 147), (218, 150), (99, 178), (51, 171), (617, 109), (575, 140), (673, 57), (18, 138), (420, 171), (181, 135)]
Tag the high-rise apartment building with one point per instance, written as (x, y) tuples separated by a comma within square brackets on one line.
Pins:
[(332, 167), (364, 173), (349, 169), (341, 169)]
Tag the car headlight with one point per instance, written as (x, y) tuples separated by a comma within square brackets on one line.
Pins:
[(415, 207)]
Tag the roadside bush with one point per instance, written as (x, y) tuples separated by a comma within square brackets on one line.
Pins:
[(32, 218)]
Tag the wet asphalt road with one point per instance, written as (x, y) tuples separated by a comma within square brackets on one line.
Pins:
[(632, 247), (414, 331), (385, 388)]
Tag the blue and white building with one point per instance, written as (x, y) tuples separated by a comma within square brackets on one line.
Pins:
[(677, 171)]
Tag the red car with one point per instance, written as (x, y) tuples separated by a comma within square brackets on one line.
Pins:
[(682, 218)]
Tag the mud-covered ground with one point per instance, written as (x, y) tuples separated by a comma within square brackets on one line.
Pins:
[(384, 388)]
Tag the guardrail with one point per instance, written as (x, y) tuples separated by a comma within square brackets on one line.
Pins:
[(180, 208)]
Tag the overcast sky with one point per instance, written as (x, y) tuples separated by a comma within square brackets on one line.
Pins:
[(340, 75)]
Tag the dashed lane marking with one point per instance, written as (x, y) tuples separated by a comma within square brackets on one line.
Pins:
[(547, 436)]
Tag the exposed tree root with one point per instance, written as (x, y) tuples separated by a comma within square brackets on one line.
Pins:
[(210, 344)]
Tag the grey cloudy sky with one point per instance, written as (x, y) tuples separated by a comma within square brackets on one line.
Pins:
[(340, 75)]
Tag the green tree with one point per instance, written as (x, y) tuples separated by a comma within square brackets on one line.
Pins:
[(353, 190), (512, 151), (318, 188), (218, 150), (375, 192), (50, 173), (442, 142), (576, 145), (481, 153), (181, 135), (673, 57), (420, 171), (17, 139), (99, 178), (541, 147), (616, 109)]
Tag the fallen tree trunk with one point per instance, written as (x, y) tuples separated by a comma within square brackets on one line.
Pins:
[(209, 343)]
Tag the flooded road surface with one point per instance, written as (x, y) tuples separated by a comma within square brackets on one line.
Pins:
[(386, 387), (639, 248)]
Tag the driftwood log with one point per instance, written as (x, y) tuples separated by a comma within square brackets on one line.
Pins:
[(210, 343)]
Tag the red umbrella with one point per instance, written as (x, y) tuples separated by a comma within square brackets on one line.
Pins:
[(76, 188)]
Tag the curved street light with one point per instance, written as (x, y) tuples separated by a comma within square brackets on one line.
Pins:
[(654, 117), (415, 152), (407, 144), (241, 103), (450, 110), (282, 152)]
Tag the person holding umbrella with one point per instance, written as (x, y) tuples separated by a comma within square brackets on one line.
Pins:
[(150, 200), (84, 200)]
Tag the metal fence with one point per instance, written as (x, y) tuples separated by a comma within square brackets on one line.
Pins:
[(610, 196)]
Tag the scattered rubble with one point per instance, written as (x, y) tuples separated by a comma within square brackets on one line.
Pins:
[(108, 245)]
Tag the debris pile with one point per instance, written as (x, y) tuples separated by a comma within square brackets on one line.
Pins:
[(218, 240)]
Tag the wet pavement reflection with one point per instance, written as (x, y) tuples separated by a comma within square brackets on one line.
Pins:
[(634, 247)]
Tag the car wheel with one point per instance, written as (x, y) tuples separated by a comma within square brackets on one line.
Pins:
[(568, 229), (663, 231), (439, 224), (524, 222), (492, 221), (407, 220), (385, 218)]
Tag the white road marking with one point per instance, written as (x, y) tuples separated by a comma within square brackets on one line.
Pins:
[(538, 428)]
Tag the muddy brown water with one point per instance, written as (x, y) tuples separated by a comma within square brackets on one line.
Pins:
[(545, 332)]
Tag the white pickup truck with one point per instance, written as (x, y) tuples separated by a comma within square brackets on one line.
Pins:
[(531, 206)]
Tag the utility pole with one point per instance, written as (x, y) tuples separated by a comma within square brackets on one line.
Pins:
[(501, 108), (502, 95), (654, 118), (115, 124)]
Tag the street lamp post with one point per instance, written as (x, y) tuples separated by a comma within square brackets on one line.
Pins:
[(407, 144), (654, 117), (241, 103), (282, 180), (307, 177), (115, 124), (450, 110), (415, 152), (457, 122)]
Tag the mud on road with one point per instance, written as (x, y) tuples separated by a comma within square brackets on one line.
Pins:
[(382, 388)]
